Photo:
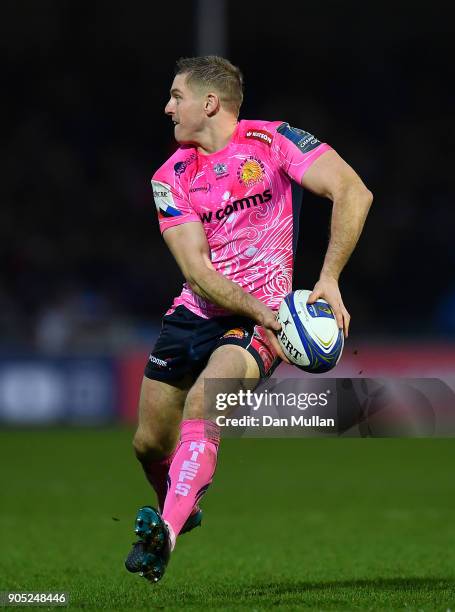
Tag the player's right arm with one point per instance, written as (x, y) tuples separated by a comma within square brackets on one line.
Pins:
[(188, 244)]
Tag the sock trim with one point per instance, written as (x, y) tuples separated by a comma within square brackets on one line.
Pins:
[(198, 429)]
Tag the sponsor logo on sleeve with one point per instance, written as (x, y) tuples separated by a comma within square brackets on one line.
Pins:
[(261, 135), (250, 171), (181, 166), (303, 140), (164, 200)]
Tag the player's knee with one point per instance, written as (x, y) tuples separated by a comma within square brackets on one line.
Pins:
[(149, 447)]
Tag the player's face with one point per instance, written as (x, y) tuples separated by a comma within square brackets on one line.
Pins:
[(186, 109)]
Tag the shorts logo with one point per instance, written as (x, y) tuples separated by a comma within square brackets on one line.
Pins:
[(251, 171), (181, 166), (260, 135), (237, 332), (159, 362)]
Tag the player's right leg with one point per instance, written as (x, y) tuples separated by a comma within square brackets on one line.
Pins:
[(168, 376), (160, 413)]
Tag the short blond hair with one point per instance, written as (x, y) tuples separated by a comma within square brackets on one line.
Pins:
[(212, 71)]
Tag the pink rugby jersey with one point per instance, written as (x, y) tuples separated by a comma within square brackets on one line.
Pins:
[(244, 197)]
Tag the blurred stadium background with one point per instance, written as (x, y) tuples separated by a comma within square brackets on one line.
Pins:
[(85, 275), (85, 278)]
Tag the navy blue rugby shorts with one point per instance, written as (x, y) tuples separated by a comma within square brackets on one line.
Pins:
[(186, 342)]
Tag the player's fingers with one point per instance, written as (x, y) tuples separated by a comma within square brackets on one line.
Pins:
[(279, 352), (338, 312), (276, 325), (314, 295), (276, 346), (347, 320)]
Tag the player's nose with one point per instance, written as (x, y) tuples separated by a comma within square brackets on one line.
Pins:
[(168, 109)]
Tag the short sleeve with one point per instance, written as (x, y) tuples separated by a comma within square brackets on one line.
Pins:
[(172, 206), (295, 150)]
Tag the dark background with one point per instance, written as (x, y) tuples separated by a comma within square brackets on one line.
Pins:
[(85, 277), (84, 87)]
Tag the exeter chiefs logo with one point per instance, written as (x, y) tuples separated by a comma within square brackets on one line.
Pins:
[(164, 200), (251, 171), (237, 332)]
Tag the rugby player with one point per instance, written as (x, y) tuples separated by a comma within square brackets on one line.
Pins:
[(228, 213)]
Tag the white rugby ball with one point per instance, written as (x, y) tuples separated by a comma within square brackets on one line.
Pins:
[(309, 335)]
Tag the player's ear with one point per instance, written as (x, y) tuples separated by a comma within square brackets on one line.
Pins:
[(212, 104)]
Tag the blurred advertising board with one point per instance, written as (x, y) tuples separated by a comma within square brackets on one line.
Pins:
[(49, 391), (94, 391), (412, 360)]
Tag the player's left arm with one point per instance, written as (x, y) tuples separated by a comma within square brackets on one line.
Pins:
[(331, 177)]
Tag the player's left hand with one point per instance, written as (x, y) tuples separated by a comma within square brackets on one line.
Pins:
[(272, 327), (327, 289)]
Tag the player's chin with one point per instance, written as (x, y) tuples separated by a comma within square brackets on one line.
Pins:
[(182, 136), (179, 134)]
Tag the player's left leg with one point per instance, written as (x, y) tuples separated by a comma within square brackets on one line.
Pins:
[(194, 461)]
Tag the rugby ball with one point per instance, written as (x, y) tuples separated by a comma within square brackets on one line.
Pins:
[(309, 334)]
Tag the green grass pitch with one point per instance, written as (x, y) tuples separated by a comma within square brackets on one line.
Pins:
[(319, 524)]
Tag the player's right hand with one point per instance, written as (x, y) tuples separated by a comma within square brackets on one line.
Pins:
[(327, 288)]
